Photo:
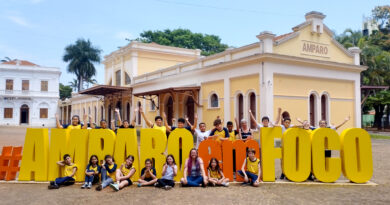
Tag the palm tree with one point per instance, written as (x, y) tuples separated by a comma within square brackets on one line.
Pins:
[(7, 59), (74, 84), (81, 57)]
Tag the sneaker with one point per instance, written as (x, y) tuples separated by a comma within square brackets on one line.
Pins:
[(244, 184), (99, 188), (55, 186), (167, 187), (52, 183), (225, 184), (84, 185), (115, 187), (139, 185), (155, 184), (89, 185)]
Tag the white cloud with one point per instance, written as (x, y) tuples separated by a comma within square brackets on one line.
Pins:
[(20, 21), (122, 35)]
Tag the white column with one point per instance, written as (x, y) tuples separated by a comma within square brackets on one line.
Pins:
[(357, 102), (355, 51), (266, 92), (134, 63), (226, 99)]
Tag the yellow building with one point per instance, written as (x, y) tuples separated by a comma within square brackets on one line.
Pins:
[(305, 72)]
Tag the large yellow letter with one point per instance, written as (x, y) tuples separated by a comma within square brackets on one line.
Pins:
[(173, 148), (356, 155), (101, 143), (296, 154), (269, 152), (325, 169), (58, 142), (35, 151), (156, 152), (77, 148), (126, 144)]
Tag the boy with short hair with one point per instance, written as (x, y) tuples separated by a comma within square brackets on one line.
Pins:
[(219, 132), (69, 173), (253, 173)]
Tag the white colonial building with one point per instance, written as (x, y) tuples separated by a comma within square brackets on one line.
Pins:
[(29, 94)]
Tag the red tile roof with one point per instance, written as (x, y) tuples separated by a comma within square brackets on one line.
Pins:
[(282, 36), (21, 62)]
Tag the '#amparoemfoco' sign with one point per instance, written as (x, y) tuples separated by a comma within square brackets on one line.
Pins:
[(302, 152)]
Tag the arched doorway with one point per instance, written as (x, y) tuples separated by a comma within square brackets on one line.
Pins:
[(312, 110), (24, 114), (190, 107), (128, 111), (169, 110)]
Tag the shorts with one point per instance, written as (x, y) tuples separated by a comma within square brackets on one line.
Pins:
[(129, 181)]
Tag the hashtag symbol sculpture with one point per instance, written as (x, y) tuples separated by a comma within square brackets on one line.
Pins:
[(9, 162)]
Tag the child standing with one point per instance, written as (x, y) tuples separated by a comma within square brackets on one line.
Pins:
[(169, 171), (124, 174), (110, 167), (219, 132), (216, 176), (252, 174), (69, 173), (148, 174), (92, 172)]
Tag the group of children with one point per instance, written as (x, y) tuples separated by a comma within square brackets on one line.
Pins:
[(119, 177), (194, 173)]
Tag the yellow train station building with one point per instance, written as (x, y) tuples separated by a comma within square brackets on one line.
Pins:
[(305, 72)]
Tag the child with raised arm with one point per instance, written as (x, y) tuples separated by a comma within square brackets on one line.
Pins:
[(158, 121), (168, 173), (92, 172), (108, 172), (69, 173), (76, 124), (252, 174), (215, 174), (148, 174), (124, 174), (181, 124)]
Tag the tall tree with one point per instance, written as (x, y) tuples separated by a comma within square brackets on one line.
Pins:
[(184, 38), (81, 57)]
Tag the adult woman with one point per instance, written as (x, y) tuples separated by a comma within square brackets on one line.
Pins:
[(194, 174)]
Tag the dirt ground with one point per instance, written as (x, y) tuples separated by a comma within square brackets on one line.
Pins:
[(235, 194)]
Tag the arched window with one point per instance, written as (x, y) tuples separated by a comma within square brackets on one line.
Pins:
[(127, 79), (152, 105), (240, 106), (252, 107), (312, 109), (190, 108), (214, 100), (324, 107)]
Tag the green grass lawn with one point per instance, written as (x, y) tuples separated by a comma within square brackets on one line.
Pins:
[(375, 136)]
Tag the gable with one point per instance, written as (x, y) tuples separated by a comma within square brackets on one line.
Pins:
[(303, 43)]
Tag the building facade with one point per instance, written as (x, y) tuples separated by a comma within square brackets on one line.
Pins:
[(28, 94), (305, 72)]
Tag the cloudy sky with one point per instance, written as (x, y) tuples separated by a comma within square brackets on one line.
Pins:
[(39, 30)]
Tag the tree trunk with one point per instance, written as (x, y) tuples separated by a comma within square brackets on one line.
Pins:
[(80, 83)]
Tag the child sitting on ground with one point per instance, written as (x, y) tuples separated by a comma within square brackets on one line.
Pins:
[(69, 173), (124, 174), (148, 174), (215, 175), (92, 172), (252, 174)]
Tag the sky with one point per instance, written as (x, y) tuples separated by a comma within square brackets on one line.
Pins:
[(39, 30)]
